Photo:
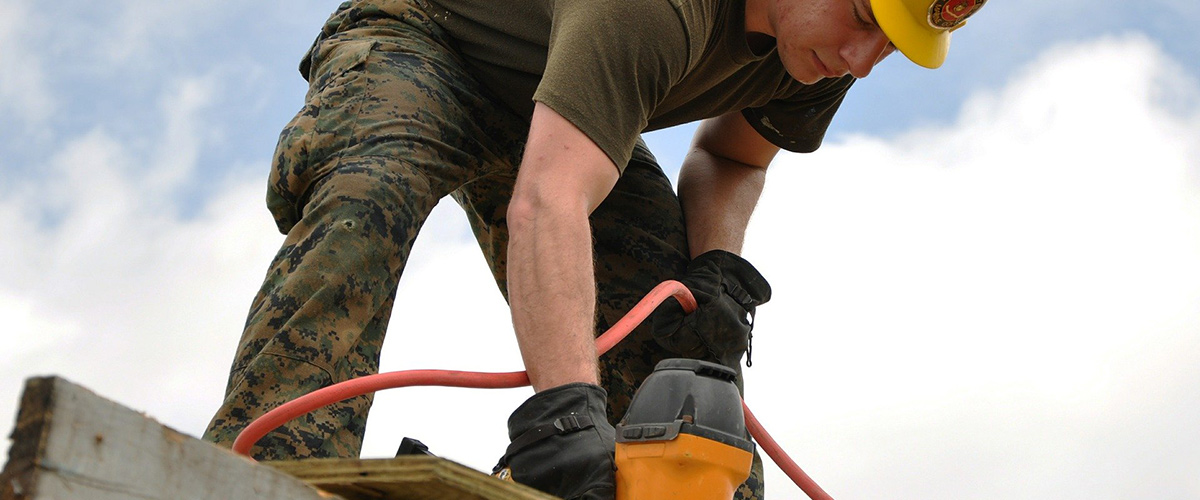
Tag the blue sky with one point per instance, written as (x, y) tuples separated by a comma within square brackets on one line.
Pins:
[(987, 282)]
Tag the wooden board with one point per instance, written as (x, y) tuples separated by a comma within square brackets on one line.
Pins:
[(405, 478), (70, 443)]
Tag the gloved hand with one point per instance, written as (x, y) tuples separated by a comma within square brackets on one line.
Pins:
[(727, 290), (562, 444)]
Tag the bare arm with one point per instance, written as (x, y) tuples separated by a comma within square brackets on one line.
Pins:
[(551, 283), (720, 182)]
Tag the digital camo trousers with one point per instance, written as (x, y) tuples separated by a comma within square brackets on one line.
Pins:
[(392, 123)]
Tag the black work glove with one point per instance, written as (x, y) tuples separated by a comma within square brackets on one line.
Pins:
[(727, 289), (562, 444)]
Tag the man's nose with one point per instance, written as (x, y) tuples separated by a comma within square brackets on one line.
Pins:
[(864, 52)]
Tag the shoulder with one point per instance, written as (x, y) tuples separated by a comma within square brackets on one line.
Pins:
[(634, 29), (674, 26), (623, 16)]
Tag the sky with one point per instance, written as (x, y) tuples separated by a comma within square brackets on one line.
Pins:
[(986, 282)]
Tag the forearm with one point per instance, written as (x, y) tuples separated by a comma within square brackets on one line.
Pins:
[(551, 283), (551, 288), (718, 196)]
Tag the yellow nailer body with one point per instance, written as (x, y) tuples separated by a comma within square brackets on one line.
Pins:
[(684, 435)]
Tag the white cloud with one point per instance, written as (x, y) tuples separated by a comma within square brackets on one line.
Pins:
[(1005, 306), (180, 149), (146, 304), (40, 332)]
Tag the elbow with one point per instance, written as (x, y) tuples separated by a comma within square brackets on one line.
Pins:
[(545, 206), (522, 212), (532, 204)]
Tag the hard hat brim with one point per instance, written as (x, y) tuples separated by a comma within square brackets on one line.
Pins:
[(913, 37)]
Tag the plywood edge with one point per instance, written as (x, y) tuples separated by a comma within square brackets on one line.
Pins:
[(71, 443), (405, 477)]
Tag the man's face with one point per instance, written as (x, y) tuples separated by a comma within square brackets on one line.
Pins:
[(827, 38)]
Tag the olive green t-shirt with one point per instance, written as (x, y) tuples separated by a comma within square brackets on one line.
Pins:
[(616, 68)]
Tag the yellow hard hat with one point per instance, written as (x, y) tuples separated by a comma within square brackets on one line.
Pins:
[(920, 29)]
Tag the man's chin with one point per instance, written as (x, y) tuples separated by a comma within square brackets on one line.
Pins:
[(805, 75), (807, 79)]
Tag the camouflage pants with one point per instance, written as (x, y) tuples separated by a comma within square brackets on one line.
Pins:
[(392, 123)]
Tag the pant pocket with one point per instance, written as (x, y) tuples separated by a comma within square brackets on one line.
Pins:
[(311, 141)]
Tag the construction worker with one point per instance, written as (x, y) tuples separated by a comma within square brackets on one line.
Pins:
[(528, 113)]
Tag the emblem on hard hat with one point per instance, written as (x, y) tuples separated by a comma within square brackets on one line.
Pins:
[(949, 14)]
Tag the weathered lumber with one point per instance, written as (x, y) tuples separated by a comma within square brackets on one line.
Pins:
[(405, 478), (69, 443)]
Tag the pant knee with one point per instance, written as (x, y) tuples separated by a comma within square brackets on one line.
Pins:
[(365, 193)]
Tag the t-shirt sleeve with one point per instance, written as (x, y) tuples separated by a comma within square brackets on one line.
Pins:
[(798, 123), (610, 63)]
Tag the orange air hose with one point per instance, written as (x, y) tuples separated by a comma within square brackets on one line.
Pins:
[(505, 380)]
